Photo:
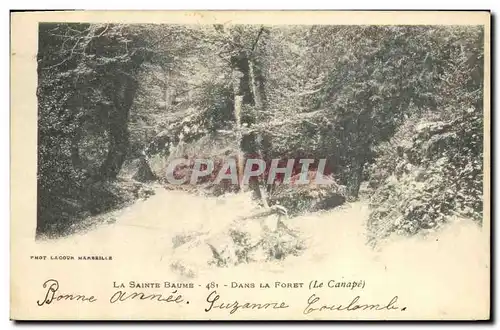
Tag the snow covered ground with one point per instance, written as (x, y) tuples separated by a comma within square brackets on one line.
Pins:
[(445, 266)]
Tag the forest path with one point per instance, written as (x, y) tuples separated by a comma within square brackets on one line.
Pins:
[(146, 228), (150, 223)]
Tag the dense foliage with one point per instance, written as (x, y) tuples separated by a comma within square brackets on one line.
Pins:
[(432, 168)]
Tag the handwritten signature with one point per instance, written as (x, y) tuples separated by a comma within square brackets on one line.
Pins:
[(235, 306), (313, 305)]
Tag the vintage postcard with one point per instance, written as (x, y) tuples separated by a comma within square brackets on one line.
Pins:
[(173, 165)]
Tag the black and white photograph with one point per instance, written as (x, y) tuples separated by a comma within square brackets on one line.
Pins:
[(257, 171)]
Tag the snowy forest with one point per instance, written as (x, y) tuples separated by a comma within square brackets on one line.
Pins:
[(397, 112)]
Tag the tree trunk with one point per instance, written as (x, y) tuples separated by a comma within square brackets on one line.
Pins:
[(118, 115), (118, 145), (239, 157), (248, 91), (355, 179), (259, 189), (238, 100), (255, 88)]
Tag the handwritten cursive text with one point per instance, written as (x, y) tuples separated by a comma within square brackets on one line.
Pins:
[(313, 305), (120, 296), (235, 306), (51, 294)]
